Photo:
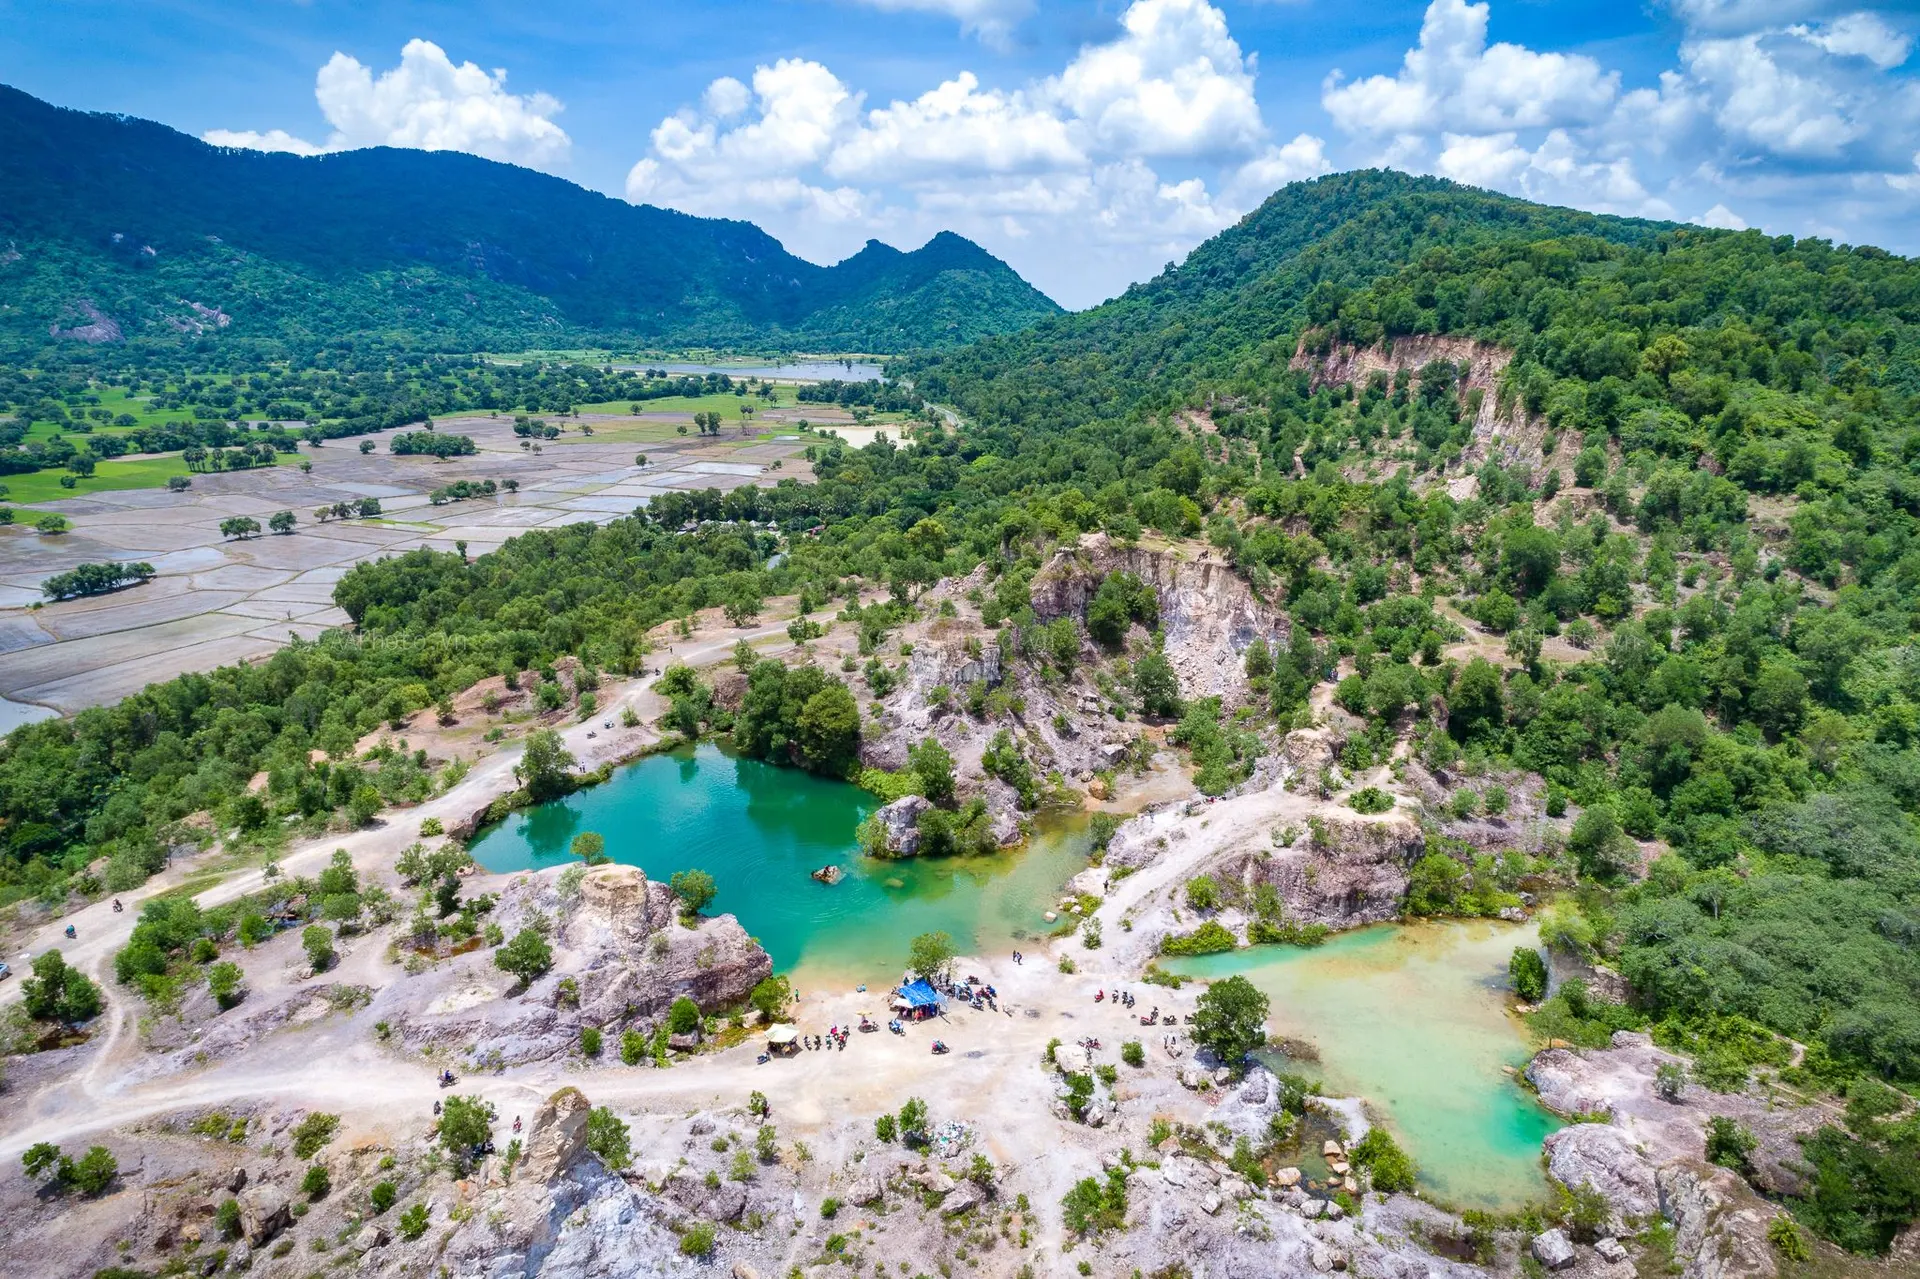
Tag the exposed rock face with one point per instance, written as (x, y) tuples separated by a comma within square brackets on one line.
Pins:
[(585, 1225), (98, 327), (1719, 1225), (900, 822), (558, 1135), (622, 944), (1566, 1084), (1209, 614), (1485, 363), (1603, 1157), (1353, 873)]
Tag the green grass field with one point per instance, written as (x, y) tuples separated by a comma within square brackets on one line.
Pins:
[(116, 401), (124, 473)]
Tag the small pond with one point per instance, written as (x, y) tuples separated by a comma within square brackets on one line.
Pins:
[(759, 829), (1414, 1018)]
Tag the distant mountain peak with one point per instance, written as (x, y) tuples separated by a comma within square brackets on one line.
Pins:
[(489, 253)]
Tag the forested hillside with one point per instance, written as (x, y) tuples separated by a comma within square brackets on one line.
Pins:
[(1691, 553), (166, 237)]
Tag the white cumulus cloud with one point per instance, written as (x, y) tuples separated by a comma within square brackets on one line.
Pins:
[(1136, 149), (1174, 84), (426, 102), (1453, 80)]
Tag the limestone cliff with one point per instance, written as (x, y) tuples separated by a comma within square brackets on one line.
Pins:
[(617, 939)]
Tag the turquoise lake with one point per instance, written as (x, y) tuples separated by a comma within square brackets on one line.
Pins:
[(1411, 1017), (1414, 1018), (759, 829)]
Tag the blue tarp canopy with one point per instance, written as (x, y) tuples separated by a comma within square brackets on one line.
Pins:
[(919, 995)]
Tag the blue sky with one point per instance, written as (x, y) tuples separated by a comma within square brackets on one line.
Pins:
[(1086, 143)]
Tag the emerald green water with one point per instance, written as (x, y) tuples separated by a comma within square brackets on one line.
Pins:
[(759, 829), (1413, 1018)]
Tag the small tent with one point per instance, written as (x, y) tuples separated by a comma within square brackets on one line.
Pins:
[(917, 1000), (781, 1038)]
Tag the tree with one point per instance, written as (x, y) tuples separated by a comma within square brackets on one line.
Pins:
[(1528, 973), (1389, 1167), (695, 888), (92, 1173), (1156, 685), (545, 766), (913, 1122), (59, 992), (41, 1158), (464, 1126), (318, 941), (1231, 1018), (224, 980), (1600, 848), (317, 1183), (829, 731), (933, 765), (771, 997), (929, 954), (281, 522), (683, 1017), (240, 526), (607, 1137), (590, 847), (1478, 703), (526, 957), (52, 525)]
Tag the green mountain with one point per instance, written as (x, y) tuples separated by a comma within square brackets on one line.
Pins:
[(117, 224), (1248, 285)]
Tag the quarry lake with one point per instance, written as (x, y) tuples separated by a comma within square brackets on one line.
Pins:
[(1413, 1017), (759, 830)]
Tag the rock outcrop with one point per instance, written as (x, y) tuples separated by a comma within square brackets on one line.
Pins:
[(1566, 1084), (1208, 613), (900, 824), (1603, 1158), (557, 1137), (620, 943), (1719, 1224), (1342, 873)]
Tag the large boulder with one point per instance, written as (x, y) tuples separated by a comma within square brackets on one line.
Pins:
[(558, 1135), (264, 1213), (1604, 1158), (960, 1199), (900, 824), (1553, 1249)]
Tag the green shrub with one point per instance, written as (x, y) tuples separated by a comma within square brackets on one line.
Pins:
[(1370, 799), (313, 1132), (697, 1240), (1390, 1167), (413, 1222), (1211, 938), (590, 1042), (382, 1196), (1528, 973), (1133, 1053)]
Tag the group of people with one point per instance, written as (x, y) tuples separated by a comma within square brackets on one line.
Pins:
[(1019, 958), (1121, 997), (836, 1037)]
